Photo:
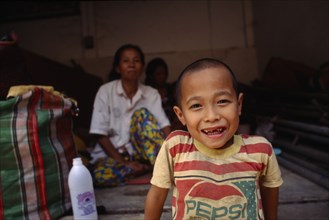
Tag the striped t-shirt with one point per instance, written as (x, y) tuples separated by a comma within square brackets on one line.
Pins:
[(216, 183)]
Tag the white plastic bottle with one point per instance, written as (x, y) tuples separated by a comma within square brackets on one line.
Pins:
[(82, 192)]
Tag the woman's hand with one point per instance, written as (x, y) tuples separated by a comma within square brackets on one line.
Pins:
[(138, 168)]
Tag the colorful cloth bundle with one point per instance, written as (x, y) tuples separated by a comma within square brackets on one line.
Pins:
[(36, 152)]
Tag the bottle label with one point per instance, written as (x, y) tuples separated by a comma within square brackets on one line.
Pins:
[(86, 203)]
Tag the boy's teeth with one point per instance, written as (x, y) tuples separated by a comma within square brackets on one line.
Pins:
[(215, 131)]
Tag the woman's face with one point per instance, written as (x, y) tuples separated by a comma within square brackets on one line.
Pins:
[(130, 66)]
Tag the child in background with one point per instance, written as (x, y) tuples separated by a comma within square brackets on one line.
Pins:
[(156, 76), (215, 173)]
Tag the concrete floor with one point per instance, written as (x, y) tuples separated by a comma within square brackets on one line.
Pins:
[(300, 199)]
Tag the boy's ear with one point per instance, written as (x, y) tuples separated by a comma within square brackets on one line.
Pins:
[(179, 114), (240, 100)]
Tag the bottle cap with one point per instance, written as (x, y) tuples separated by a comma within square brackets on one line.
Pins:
[(77, 161)]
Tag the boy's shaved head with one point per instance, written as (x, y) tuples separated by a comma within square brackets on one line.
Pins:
[(199, 65)]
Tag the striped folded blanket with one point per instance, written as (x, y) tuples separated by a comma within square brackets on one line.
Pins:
[(36, 152)]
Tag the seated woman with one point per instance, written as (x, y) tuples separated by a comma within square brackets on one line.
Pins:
[(128, 120)]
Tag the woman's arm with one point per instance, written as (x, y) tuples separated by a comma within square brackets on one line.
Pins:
[(155, 200), (111, 151), (270, 197), (109, 148)]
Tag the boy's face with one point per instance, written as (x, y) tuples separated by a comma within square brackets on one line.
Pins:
[(210, 108)]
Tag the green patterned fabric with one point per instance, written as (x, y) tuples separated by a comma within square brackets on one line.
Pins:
[(36, 152)]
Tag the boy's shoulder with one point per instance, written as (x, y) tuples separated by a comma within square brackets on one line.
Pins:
[(178, 142), (179, 135), (256, 144), (253, 139)]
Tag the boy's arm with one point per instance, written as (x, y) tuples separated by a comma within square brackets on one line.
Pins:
[(270, 197), (155, 200)]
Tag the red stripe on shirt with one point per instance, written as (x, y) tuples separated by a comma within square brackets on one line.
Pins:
[(218, 169), (181, 148), (257, 148), (178, 132)]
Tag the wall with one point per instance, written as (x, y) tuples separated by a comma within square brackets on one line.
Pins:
[(293, 30), (179, 31)]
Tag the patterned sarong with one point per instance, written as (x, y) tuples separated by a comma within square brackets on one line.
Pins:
[(146, 138)]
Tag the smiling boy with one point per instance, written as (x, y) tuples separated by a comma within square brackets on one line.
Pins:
[(215, 173)]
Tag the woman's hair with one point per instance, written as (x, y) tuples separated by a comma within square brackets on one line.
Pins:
[(202, 64), (151, 66), (117, 57)]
